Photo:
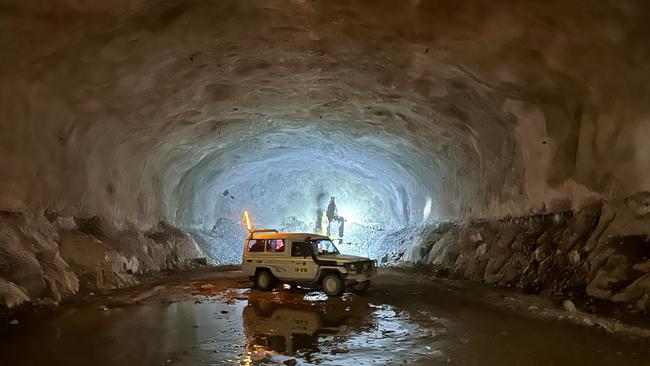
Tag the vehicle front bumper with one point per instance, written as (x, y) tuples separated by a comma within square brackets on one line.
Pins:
[(353, 277)]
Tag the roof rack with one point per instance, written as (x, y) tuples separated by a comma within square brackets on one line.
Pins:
[(255, 231), (263, 231)]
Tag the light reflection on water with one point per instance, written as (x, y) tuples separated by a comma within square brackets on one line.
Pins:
[(240, 326), (271, 329), (334, 332)]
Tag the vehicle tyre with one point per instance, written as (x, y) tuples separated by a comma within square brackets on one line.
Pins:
[(264, 280), (333, 284), (360, 287)]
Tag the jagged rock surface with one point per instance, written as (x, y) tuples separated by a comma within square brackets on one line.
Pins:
[(600, 250), (49, 258)]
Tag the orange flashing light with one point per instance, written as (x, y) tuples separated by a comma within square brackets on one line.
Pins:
[(247, 221)]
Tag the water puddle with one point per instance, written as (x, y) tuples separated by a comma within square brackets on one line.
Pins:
[(240, 326)]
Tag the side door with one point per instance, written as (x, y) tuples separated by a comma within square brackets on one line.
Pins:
[(303, 266), (276, 258), (253, 248)]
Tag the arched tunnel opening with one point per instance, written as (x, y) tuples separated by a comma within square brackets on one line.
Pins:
[(504, 143), (287, 173)]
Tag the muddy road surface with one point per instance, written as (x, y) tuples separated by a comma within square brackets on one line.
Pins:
[(215, 318)]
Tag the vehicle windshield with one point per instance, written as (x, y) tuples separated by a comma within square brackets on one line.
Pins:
[(324, 246)]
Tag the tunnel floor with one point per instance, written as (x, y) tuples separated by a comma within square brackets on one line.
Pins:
[(214, 318)]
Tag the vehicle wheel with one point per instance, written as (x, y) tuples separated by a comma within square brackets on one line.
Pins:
[(264, 280), (333, 285), (360, 287)]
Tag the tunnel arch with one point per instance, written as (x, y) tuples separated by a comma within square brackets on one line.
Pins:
[(334, 64)]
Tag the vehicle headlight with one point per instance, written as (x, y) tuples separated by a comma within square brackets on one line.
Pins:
[(352, 266)]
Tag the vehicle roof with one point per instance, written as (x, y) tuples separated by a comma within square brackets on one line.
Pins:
[(293, 236)]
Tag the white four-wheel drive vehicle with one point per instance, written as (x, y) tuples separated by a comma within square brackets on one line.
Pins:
[(305, 259)]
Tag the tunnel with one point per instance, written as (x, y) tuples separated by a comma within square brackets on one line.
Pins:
[(504, 142)]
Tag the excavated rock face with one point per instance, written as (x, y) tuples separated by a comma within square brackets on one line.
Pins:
[(43, 259), (408, 112), (30, 259), (589, 250)]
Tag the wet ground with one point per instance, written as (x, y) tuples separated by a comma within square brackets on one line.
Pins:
[(214, 318)]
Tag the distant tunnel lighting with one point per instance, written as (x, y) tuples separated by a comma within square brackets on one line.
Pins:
[(427, 210)]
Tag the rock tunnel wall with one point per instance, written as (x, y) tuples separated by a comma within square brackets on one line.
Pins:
[(602, 250), (412, 112), (46, 257)]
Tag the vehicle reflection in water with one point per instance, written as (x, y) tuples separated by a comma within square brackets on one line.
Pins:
[(296, 328), (243, 327), (329, 332), (283, 331)]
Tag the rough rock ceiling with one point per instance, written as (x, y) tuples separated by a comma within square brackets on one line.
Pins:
[(153, 110)]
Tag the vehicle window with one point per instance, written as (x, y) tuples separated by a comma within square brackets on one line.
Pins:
[(324, 246), (296, 249), (255, 245), (275, 245)]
